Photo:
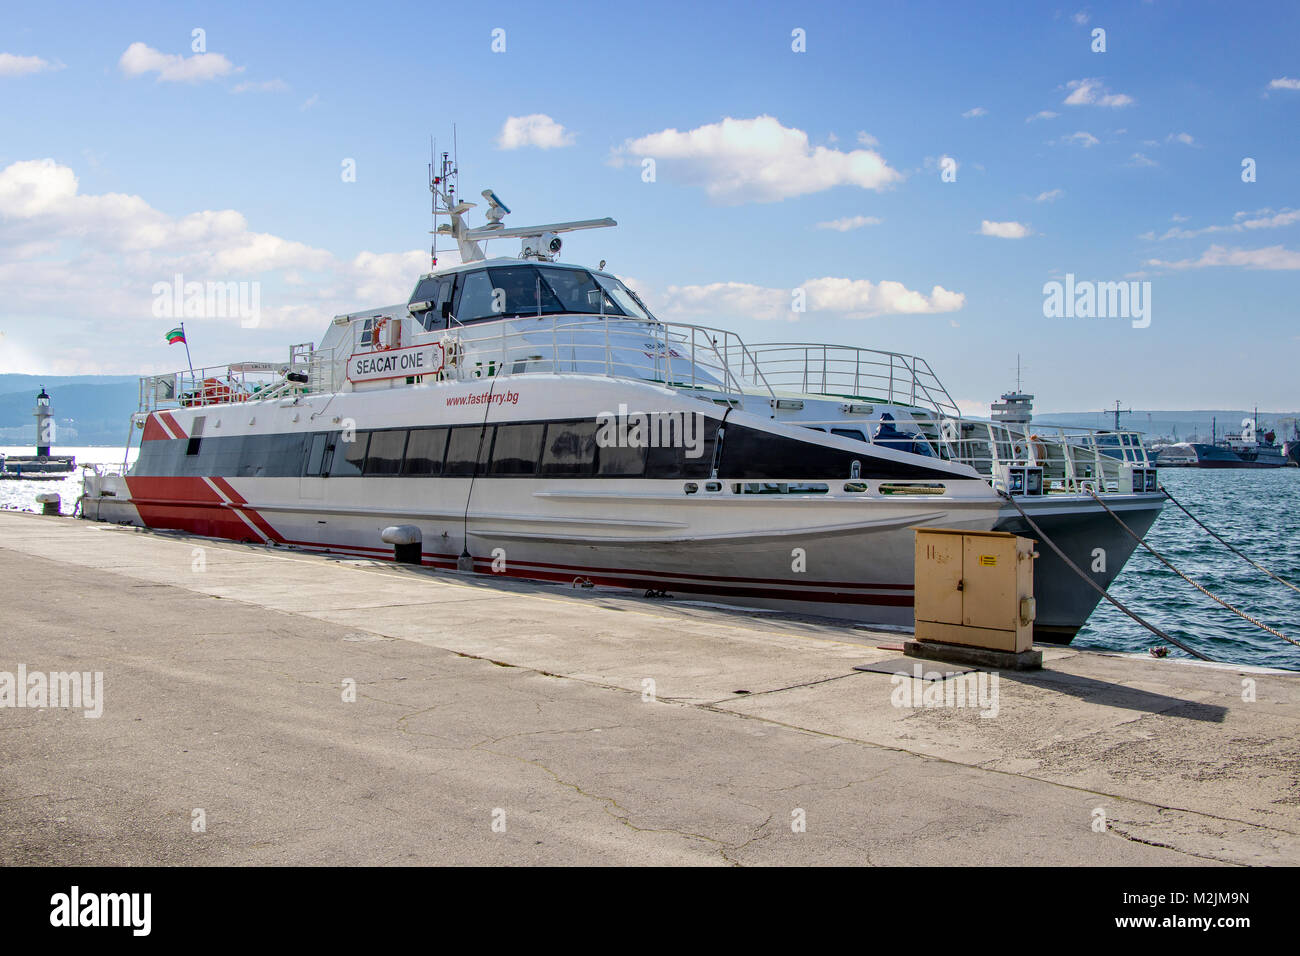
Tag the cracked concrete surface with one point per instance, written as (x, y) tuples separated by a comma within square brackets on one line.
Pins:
[(479, 700)]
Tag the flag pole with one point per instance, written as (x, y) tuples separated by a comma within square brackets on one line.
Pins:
[(186, 341)]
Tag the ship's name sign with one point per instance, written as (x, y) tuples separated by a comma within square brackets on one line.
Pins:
[(396, 363)]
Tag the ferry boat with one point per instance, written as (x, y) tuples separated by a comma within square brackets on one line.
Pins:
[(528, 417)]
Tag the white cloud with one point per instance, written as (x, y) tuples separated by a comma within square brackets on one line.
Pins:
[(849, 222), (1271, 257), (1179, 218), (1004, 230), (310, 102), (140, 58), (90, 261), (1140, 160), (1050, 195), (756, 160), (13, 65), (1042, 115), (536, 129), (1080, 138), (1244, 222), (1185, 138), (1284, 83), (845, 298), (1081, 18), (1091, 92), (975, 112), (267, 86), (866, 139)]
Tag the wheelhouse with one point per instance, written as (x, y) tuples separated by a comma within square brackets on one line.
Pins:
[(510, 289)]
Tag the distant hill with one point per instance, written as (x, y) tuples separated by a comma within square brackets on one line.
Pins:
[(1182, 425), (33, 383)]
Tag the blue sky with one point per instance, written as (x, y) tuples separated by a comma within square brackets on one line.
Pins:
[(126, 156)]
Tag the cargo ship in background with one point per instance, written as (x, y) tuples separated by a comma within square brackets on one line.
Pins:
[(1291, 447), (1243, 449)]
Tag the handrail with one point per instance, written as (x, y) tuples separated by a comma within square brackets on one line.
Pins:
[(1071, 457), (849, 371)]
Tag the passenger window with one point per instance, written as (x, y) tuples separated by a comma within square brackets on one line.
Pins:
[(463, 450), (516, 449), (385, 454), (315, 454), (614, 462), (349, 456), (424, 451), (570, 449)]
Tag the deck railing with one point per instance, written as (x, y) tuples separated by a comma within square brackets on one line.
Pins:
[(1071, 457), (844, 371), (675, 354)]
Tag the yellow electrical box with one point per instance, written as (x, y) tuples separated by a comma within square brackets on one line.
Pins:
[(975, 588)]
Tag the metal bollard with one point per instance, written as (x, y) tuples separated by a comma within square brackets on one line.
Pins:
[(406, 541)]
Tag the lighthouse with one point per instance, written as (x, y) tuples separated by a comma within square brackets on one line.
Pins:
[(44, 425), (42, 466)]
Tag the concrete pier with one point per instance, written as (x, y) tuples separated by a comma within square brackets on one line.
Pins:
[(497, 722)]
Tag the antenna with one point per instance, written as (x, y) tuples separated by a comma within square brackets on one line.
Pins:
[(1018, 370), (433, 202), (442, 184), (1117, 412)]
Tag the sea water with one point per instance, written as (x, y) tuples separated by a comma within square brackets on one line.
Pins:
[(1258, 511), (21, 493)]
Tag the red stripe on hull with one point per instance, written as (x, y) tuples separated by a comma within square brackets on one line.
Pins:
[(262, 524), (153, 430), (173, 424), (186, 504)]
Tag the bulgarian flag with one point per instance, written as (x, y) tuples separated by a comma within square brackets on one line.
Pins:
[(176, 335)]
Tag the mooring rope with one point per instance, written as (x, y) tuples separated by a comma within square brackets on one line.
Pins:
[(1216, 537), (1214, 597), (1097, 587)]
